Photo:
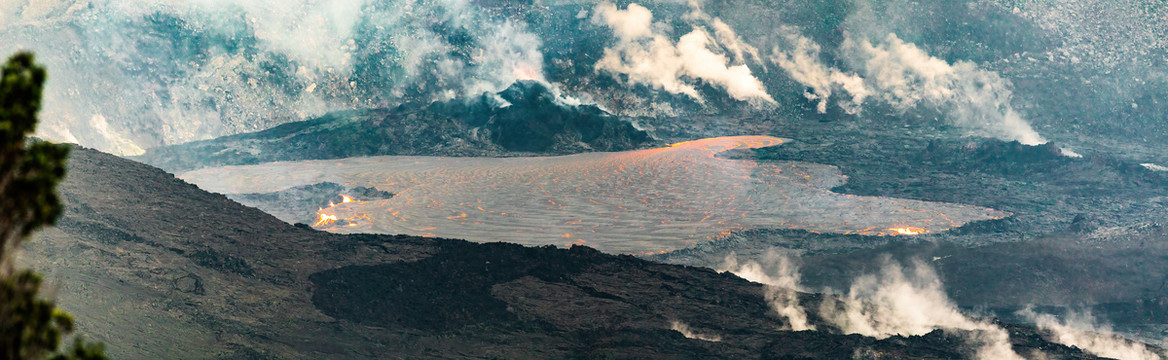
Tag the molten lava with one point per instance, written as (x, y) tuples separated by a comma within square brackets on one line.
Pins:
[(621, 202), (325, 219), (907, 230)]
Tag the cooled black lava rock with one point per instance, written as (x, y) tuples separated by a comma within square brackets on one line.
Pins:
[(445, 291)]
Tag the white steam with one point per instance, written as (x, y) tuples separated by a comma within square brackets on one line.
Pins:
[(1154, 167), (1082, 330), (646, 55), (904, 76), (889, 303), (782, 280), (727, 37), (802, 63), (690, 334), (161, 72), (100, 125), (896, 302)]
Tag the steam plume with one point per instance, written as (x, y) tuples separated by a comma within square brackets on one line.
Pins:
[(896, 302), (782, 280), (892, 302), (974, 98), (647, 56), (904, 76), (802, 63), (1154, 167), (688, 333), (1081, 330)]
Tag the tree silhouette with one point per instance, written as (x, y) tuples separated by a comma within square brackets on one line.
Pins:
[(30, 327)]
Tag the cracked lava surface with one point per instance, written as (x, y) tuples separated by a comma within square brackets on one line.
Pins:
[(632, 202)]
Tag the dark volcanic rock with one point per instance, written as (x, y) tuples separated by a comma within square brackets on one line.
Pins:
[(439, 292), (525, 118)]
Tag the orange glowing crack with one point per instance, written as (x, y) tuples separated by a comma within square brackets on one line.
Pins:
[(325, 219), (907, 230)]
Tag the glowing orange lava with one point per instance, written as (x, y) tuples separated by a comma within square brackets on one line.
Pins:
[(907, 230), (325, 219), (622, 202)]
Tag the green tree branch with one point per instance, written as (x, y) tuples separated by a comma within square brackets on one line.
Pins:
[(30, 327)]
